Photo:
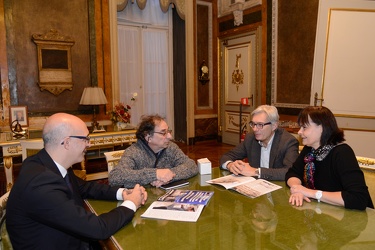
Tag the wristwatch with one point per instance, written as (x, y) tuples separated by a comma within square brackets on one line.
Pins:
[(318, 195)]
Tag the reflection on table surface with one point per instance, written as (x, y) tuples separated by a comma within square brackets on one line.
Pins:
[(233, 221)]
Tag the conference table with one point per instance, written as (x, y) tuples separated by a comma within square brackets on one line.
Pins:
[(233, 221)]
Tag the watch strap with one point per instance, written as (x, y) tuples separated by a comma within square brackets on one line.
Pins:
[(318, 195)]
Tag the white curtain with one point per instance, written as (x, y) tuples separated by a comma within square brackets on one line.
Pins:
[(144, 61), (156, 71), (130, 70)]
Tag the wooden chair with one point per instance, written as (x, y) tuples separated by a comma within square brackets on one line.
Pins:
[(113, 158), (365, 162), (33, 146), (368, 167), (4, 237)]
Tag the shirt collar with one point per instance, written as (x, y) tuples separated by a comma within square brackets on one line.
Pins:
[(62, 170), (269, 142)]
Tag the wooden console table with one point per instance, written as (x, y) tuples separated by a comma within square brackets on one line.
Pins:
[(100, 143)]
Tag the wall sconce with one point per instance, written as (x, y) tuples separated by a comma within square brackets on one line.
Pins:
[(93, 96)]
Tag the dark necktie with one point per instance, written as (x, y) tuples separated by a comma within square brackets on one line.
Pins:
[(75, 195), (67, 180)]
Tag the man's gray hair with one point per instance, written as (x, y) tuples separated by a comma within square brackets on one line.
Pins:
[(270, 111), (55, 134)]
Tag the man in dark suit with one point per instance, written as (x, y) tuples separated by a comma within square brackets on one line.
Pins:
[(270, 150), (46, 210)]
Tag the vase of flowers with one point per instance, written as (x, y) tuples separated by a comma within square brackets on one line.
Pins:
[(120, 115)]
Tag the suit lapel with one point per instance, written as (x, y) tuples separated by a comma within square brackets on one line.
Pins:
[(255, 155), (275, 146), (50, 164)]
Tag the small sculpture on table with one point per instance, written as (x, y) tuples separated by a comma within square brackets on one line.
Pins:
[(17, 130)]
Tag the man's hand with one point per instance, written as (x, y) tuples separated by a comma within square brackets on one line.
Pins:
[(137, 195), (157, 183), (241, 167), (165, 175)]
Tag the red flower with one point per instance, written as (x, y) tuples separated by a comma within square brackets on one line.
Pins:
[(120, 113)]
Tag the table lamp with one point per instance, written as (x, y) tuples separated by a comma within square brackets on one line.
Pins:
[(93, 96)]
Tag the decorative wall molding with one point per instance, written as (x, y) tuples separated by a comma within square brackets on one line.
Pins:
[(238, 17), (54, 61), (226, 7)]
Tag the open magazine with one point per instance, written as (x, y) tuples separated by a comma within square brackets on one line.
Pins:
[(248, 186), (179, 205)]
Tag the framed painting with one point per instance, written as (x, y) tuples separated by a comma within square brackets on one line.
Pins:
[(19, 113)]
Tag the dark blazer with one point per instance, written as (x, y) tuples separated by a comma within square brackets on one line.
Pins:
[(284, 152), (42, 212)]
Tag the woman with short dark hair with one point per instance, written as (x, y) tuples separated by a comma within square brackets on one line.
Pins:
[(327, 168)]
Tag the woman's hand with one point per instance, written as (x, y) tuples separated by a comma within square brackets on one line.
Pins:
[(298, 195), (297, 199)]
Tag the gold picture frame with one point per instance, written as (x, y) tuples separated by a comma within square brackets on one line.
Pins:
[(54, 61)]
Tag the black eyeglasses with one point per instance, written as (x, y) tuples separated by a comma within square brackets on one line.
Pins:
[(164, 133), (85, 138), (259, 125)]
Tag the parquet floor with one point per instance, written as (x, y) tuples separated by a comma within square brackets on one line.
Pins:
[(212, 150)]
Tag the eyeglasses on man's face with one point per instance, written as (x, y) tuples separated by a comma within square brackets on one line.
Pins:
[(84, 138), (258, 125), (164, 132)]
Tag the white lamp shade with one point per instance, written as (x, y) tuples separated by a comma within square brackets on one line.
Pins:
[(93, 96)]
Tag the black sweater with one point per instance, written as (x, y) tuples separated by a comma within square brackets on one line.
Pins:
[(339, 171)]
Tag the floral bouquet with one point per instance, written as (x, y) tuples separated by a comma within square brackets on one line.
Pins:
[(120, 112)]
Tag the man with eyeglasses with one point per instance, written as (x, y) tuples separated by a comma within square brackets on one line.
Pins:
[(46, 209), (269, 150), (154, 159)]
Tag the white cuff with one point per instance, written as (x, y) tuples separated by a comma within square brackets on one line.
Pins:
[(119, 194), (225, 164), (129, 204)]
